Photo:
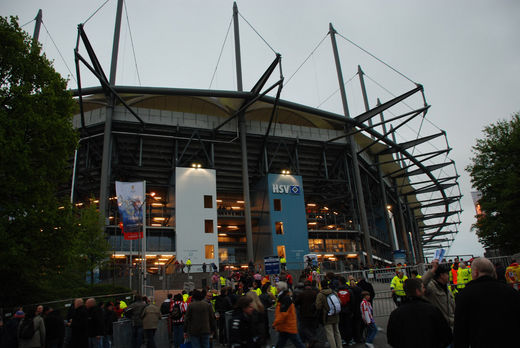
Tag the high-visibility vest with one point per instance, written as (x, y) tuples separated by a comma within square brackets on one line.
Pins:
[(397, 285), (513, 273), (282, 260), (258, 291), (222, 281), (185, 297), (453, 276), (188, 263), (463, 277), (122, 305)]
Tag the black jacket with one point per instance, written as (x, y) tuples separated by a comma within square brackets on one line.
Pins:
[(222, 304), (306, 303), (95, 322), (9, 338), (366, 286), (109, 317), (54, 326), (487, 315), (418, 323), (241, 331), (79, 334)]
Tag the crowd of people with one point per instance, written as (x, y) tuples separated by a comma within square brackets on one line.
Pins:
[(456, 304), (86, 324), (432, 311), (342, 307)]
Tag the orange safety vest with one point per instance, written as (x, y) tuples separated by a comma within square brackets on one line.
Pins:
[(453, 276)]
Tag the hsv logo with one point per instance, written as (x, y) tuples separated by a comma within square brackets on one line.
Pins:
[(293, 189)]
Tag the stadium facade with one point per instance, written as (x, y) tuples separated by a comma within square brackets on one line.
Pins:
[(234, 176)]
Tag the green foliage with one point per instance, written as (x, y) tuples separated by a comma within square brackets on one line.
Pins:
[(495, 172), (45, 244)]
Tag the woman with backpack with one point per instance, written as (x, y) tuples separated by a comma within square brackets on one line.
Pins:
[(177, 310), (31, 331)]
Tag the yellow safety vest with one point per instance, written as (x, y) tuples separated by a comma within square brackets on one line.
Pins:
[(222, 281), (185, 297), (122, 305), (463, 277), (258, 291), (188, 263), (282, 260), (397, 285)]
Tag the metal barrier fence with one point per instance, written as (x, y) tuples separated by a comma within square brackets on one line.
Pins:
[(122, 337), (383, 304)]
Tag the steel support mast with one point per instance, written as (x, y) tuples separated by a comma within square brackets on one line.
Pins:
[(353, 152), (243, 141)]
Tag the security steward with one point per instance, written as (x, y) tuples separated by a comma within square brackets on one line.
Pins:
[(396, 285)]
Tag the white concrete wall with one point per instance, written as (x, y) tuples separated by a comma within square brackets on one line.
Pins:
[(191, 185)]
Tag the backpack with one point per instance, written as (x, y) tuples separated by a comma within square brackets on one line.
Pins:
[(26, 329), (333, 304), (344, 297), (176, 313), (165, 308)]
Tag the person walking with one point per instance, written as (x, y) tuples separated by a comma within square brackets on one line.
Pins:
[(199, 321), (177, 312), (417, 322), (79, 325), (188, 265), (10, 337), (306, 303), (109, 318), (54, 328), (134, 313), (437, 281), (487, 311), (241, 331), (285, 321), (368, 318), (95, 327), (260, 322), (222, 305), (31, 331), (366, 286), (396, 285), (150, 317), (328, 303)]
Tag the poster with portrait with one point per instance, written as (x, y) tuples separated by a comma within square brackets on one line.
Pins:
[(130, 202)]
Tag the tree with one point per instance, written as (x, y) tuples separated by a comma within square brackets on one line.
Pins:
[(38, 231), (495, 172)]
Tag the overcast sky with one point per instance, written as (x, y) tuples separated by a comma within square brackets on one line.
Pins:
[(465, 53)]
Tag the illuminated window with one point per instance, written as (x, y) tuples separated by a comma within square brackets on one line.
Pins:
[(209, 252), (281, 250), (278, 227), (208, 226), (277, 205), (208, 201), (316, 245)]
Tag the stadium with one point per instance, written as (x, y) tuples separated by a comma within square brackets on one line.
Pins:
[(236, 176)]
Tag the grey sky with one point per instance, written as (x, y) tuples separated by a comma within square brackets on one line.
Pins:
[(465, 53)]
